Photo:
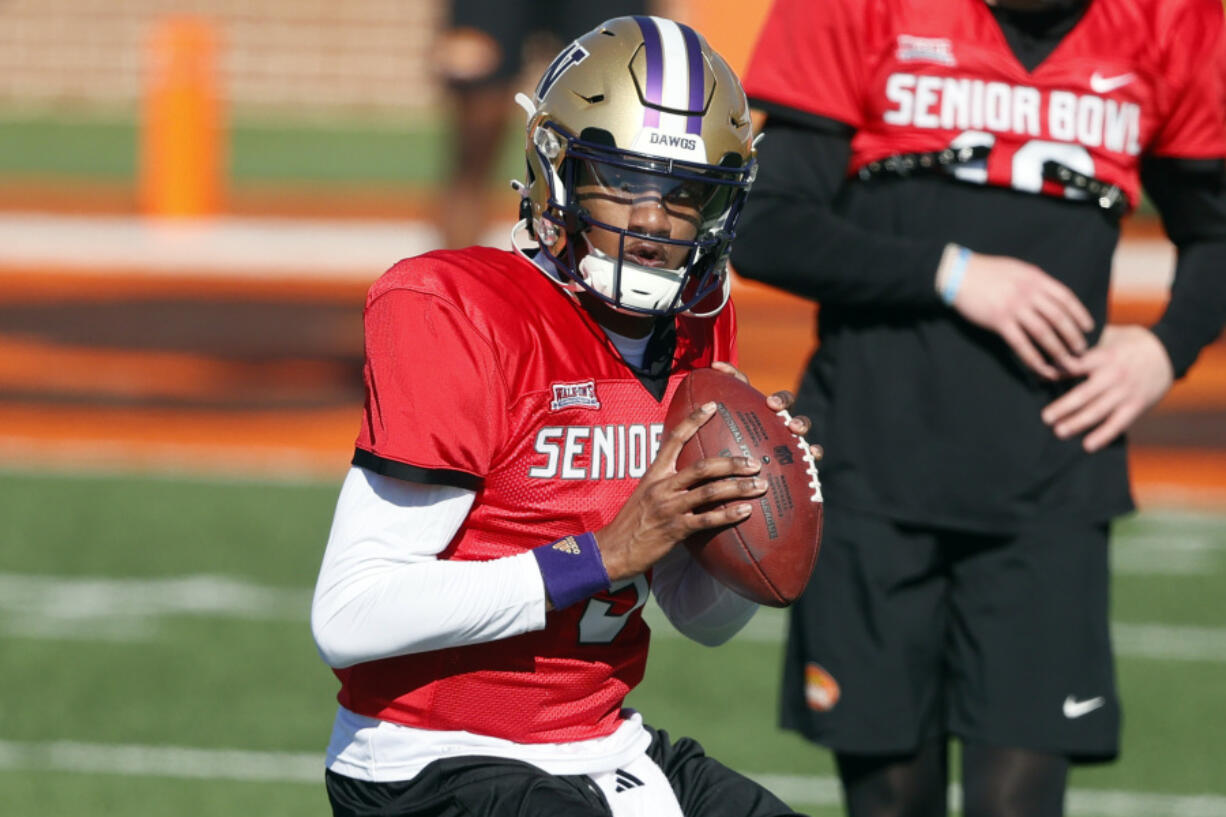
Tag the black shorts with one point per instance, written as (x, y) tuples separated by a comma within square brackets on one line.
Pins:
[(906, 634), (485, 39), (496, 787)]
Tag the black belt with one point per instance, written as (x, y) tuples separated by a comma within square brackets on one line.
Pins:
[(1107, 196), (905, 164)]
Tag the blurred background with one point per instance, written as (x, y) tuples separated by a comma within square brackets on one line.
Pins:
[(194, 197)]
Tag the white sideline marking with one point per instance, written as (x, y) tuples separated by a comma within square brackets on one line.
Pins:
[(50, 607), (1132, 640), (1183, 555), (307, 767), (57, 607), (163, 761), (322, 248), (260, 248), (1142, 640)]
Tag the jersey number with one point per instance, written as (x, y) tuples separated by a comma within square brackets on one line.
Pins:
[(606, 614), (1026, 170)]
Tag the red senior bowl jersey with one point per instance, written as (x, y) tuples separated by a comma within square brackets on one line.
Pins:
[(481, 372), (923, 76)]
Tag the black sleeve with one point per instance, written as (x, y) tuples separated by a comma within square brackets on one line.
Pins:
[(1191, 197), (411, 473), (791, 238)]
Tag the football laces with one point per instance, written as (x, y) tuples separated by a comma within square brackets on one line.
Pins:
[(815, 482)]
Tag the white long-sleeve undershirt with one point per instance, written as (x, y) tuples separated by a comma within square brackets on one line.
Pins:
[(382, 591)]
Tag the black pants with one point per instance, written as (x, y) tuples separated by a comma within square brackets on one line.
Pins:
[(496, 787)]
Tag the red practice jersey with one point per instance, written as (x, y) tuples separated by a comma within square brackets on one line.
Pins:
[(483, 373), (920, 76)]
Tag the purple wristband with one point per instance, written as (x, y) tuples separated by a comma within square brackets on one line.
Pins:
[(572, 569)]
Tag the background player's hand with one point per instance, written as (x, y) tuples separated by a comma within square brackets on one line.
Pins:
[(668, 505), (777, 401), (1039, 317), (1126, 373)]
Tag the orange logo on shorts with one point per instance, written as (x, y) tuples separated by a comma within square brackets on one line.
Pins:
[(821, 690)]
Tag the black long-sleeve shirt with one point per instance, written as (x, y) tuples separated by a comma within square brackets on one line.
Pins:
[(924, 417)]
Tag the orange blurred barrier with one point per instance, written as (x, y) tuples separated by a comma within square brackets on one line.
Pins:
[(730, 26), (181, 136)]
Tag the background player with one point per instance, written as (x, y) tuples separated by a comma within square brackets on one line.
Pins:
[(481, 55), (947, 180), (480, 597)]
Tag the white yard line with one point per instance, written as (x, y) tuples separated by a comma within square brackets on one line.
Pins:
[(60, 607), (307, 767)]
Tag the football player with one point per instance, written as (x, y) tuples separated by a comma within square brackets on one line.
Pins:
[(513, 500), (947, 178)]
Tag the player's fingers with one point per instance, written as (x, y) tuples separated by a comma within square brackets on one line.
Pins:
[(1022, 346), (672, 444), (1068, 303), (713, 468), (728, 368), (1087, 416), (1115, 425), (1062, 322), (781, 400), (817, 451), (701, 497), (1059, 411), (800, 425), (1041, 332), (1072, 401), (721, 517), (1094, 362)]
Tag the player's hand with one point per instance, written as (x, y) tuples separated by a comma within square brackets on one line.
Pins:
[(668, 505), (1126, 373), (1040, 318), (777, 401)]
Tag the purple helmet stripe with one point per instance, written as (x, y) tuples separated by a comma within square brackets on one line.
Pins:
[(693, 53), (655, 69)]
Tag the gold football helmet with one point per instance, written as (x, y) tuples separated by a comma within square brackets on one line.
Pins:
[(639, 102)]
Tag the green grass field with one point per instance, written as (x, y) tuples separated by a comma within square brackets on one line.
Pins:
[(157, 659), (259, 149)]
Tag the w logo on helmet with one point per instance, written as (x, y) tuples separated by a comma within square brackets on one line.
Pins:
[(571, 56)]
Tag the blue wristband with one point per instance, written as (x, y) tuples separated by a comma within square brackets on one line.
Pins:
[(572, 569), (953, 282)]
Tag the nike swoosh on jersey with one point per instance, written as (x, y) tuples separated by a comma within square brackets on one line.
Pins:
[(1074, 708), (1105, 85)]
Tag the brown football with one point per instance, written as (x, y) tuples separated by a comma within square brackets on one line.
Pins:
[(768, 556)]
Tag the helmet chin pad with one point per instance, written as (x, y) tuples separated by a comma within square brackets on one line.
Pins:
[(629, 287)]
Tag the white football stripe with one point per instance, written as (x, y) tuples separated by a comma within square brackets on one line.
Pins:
[(676, 91), (59, 607), (163, 761), (1186, 555), (675, 84), (183, 762)]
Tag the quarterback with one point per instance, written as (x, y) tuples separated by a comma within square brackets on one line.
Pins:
[(513, 499), (947, 179)]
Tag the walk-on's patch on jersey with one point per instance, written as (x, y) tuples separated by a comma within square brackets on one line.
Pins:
[(482, 372), (567, 395), (921, 76)]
